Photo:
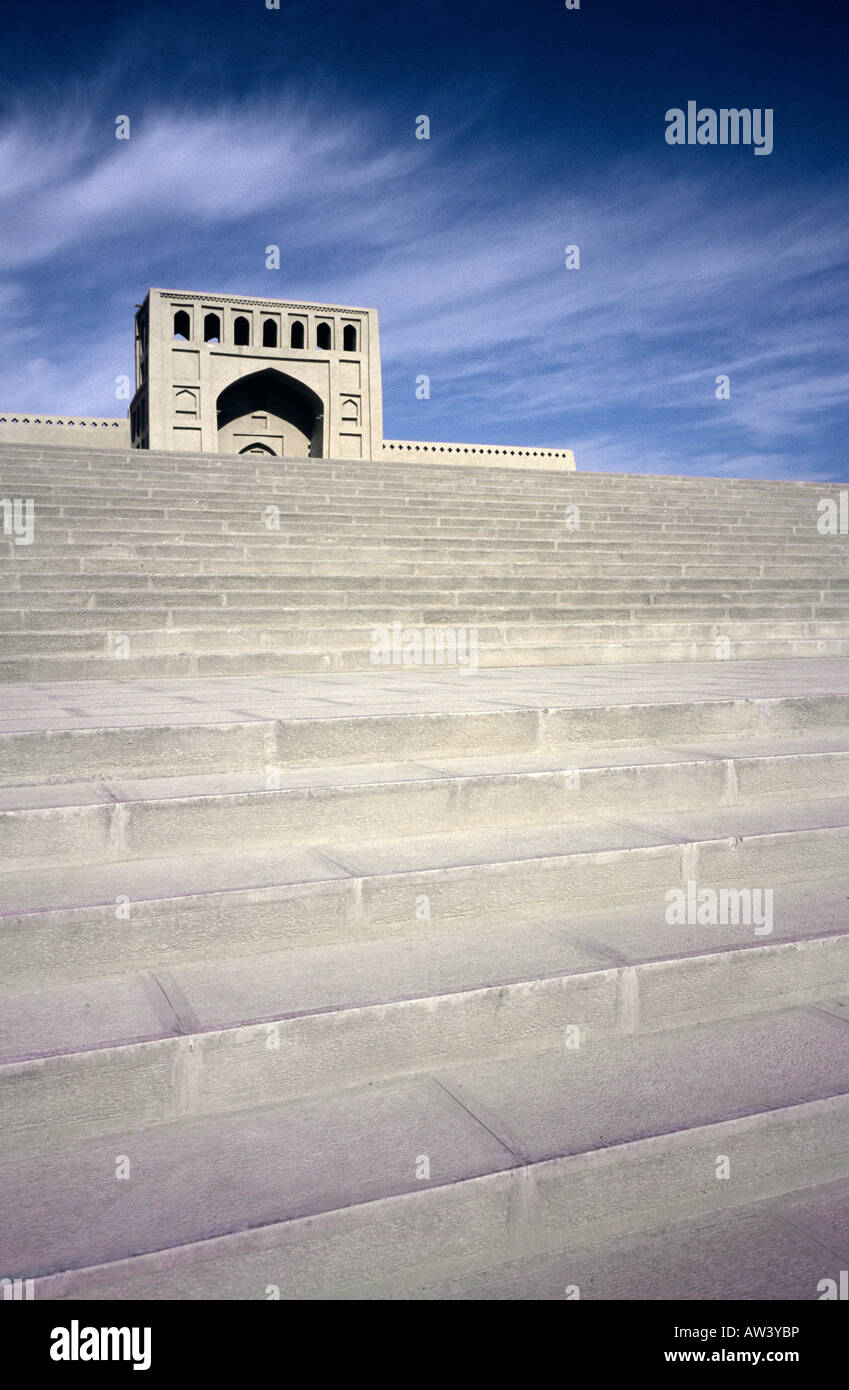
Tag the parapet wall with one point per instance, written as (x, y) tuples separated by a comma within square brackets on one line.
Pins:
[(64, 429), (103, 432), (492, 455)]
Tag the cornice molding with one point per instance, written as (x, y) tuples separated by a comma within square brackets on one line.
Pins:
[(185, 297)]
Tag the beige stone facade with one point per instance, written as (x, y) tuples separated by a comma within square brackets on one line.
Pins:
[(222, 374)]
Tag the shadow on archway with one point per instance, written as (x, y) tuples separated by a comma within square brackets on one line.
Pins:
[(292, 409)]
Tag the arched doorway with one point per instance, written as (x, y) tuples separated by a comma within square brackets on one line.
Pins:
[(273, 411)]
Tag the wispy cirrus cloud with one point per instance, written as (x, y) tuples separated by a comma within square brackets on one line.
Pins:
[(460, 244)]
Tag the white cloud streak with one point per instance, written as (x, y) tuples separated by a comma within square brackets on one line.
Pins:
[(461, 248)]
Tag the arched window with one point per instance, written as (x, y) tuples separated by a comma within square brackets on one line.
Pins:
[(349, 338), (182, 324), (212, 329), (241, 332), (269, 333), (322, 336), (296, 337)]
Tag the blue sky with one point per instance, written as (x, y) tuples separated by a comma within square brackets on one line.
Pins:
[(296, 127)]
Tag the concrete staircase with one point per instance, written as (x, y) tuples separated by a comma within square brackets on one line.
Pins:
[(179, 565), (336, 980)]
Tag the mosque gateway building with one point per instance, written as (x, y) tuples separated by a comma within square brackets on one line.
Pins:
[(221, 375), (226, 374)]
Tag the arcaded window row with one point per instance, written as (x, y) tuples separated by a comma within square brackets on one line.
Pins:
[(242, 332)]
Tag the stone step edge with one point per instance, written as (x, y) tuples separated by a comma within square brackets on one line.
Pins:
[(490, 627), (534, 1208), (270, 662), (458, 781), (303, 741), (359, 885), (615, 985)]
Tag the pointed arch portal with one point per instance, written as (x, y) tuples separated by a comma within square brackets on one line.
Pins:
[(272, 410)]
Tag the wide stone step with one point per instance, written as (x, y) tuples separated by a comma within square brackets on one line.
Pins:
[(73, 508), (249, 520), (45, 628), (41, 591), (340, 625), (131, 488), (246, 662), (352, 632), (207, 746), (263, 542), (141, 818), (102, 506), (202, 608), (239, 901), (405, 498), (353, 1010), (429, 1176), (105, 535), (329, 564), (782, 1248)]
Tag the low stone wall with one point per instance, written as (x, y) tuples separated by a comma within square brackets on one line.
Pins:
[(483, 455), (86, 431), (79, 430)]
